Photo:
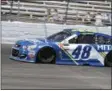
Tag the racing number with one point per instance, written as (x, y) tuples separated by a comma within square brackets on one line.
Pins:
[(85, 53), (77, 51)]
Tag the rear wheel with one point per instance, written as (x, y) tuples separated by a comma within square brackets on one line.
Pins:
[(108, 59), (47, 55)]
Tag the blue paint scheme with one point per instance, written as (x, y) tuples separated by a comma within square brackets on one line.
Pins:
[(91, 62), (41, 43), (105, 35)]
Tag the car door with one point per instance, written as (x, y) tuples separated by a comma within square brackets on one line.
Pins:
[(81, 50)]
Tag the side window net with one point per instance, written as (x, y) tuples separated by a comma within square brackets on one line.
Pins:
[(83, 39), (86, 39)]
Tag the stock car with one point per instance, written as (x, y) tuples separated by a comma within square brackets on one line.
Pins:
[(69, 47)]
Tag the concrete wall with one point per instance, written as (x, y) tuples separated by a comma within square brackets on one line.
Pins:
[(13, 31)]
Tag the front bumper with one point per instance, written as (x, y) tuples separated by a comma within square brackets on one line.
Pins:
[(18, 59), (20, 54)]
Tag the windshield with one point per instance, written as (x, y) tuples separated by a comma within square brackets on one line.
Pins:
[(58, 37)]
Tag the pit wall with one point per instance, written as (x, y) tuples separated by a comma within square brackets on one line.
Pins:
[(13, 31)]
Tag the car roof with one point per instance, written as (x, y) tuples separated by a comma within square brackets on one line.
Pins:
[(85, 32)]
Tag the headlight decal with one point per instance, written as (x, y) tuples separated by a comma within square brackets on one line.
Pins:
[(25, 47), (32, 47)]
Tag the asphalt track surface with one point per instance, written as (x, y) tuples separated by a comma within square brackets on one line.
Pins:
[(19, 75)]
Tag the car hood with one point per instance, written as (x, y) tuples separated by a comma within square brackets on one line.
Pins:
[(31, 41)]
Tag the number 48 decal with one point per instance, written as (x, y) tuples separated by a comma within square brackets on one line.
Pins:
[(85, 52)]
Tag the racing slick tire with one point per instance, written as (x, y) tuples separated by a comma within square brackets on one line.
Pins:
[(108, 59), (46, 55)]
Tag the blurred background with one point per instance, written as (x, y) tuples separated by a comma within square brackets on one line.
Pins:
[(31, 19), (89, 12)]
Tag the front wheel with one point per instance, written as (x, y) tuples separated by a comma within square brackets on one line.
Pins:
[(46, 55), (108, 59)]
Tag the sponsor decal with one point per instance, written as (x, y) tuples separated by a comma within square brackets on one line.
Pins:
[(103, 54), (103, 48), (31, 54)]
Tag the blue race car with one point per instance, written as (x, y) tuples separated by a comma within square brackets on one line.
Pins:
[(66, 47)]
